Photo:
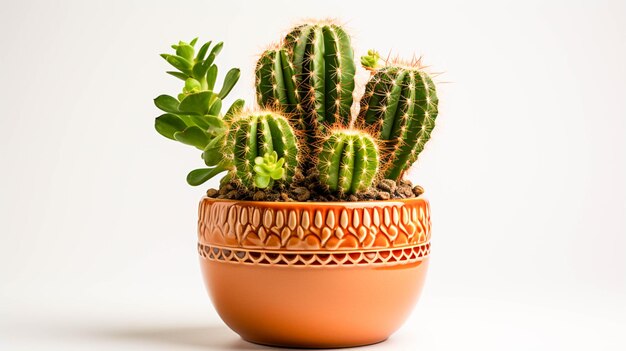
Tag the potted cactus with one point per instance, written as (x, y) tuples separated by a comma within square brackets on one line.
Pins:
[(314, 238)]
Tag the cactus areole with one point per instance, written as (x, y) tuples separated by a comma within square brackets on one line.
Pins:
[(303, 133)]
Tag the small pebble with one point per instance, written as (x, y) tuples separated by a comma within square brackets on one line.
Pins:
[(259, 195), (226, 189), (302, 193), (388, 185), (211, 192), (418, 190), (383, 195)]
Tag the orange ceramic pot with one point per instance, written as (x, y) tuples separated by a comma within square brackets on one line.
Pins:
[(314, 275)]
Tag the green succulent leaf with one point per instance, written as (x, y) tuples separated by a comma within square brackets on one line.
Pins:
[(201, 175), (200, 121), (211, 77), (216, 107), (216, 126), (192, 86), (196, 103), (185, 51), (277, 173), (166, 103), (229, 82), (214, 52), (179, 63), (193, 136), (202, 52), (261, 181), (193, 41), (168, 124), (212, 154), (178, 75), (199, 70)]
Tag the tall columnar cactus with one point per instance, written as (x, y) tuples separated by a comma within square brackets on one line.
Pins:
[(323, 64), (257, 135), (276, 85), (348, 161), (400, 104)]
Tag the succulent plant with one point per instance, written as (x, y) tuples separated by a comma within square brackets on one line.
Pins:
[(267, 169), (194, 116), (255, 135), (348, 161), (400, 105), (311, 77)]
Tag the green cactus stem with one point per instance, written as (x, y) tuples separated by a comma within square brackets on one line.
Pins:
[(323, 63), (348, 161), (255, 135), (400, 104), (276, 85)]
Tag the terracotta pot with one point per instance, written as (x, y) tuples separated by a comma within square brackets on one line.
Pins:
[(315, 275)]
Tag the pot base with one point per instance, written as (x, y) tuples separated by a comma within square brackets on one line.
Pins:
[(312, 306), (314, 347)]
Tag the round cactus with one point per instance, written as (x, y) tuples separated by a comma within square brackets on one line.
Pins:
[(348, 161), (400, 104), (323, 64), (257, 135)]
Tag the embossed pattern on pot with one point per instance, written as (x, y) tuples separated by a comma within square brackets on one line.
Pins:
[(311, 258), (307, 226)]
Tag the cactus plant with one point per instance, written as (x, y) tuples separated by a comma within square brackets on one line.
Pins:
[(400, 104), (319, 59), (304, 86), (255, 135), (348, 161)]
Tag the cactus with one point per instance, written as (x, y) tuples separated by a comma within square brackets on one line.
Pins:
[(348, 161), (255, 135), (323, 63), (276, 85), (400, 104)]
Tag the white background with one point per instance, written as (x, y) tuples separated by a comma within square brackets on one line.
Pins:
[(525, 172)]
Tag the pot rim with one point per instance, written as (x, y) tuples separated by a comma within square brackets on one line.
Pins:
[(319, 203)]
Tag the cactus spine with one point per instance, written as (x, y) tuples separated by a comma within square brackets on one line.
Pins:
[(323, 63), (348, 161), (255, 135), (400, 102)]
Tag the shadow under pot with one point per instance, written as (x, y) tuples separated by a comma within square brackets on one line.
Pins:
[(314, 275)]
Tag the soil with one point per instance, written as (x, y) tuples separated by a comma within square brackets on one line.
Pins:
[(307, 189)]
